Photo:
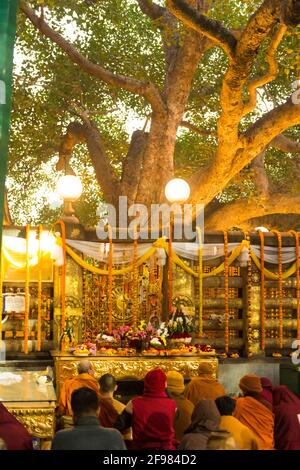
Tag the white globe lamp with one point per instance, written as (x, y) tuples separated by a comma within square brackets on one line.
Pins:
[(177, 190), (69, 188)]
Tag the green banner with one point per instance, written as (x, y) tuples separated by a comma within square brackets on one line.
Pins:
[(8, 13)]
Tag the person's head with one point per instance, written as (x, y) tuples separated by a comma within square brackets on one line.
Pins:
[(84, 402), (205, 368), (221, 440), (225, 405), (2, 445), (250, 384), (155, 382), (175, 382), (267, 392), (85, 367), (266, 383), (205, 416), (108, 384)]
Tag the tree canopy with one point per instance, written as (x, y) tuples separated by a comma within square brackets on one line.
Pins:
[(130, 92)]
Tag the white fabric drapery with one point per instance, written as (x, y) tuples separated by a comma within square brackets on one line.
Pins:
[(123, 252)]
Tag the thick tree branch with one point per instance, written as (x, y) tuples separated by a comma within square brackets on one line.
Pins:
[(239, 212), (144, 89), (167, 25), (78, 133), (290, 12), (132, 165), (196, 129), (151, 9), (212, 29), (261, 134), (285, 144), (260, 175), (272, 72), (74, 135), (105, 173)]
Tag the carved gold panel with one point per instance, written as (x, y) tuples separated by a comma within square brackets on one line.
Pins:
[(39, 422), (133, 367)]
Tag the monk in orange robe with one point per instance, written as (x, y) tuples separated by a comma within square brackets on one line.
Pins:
[(85, 378), (255, 412), (243, 436), (205, 386), (110, 408)]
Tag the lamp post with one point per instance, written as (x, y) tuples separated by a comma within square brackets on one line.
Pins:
[(177, 191), (69, 188)]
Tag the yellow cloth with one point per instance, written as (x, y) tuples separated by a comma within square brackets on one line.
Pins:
[(110, 408), (243, 436), (69, 386), (175, 382), (184, 413), (258, 418), (119, 407), (204, 387)]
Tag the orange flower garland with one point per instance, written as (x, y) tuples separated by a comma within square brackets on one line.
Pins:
[(226, 293), (262, 289), (135, 306), (170, 277), (39, 319), (280, 284), (110, 280), (63, 281), (296, 236), (200, 258), (1, 293), (26, 320), (249, 297)]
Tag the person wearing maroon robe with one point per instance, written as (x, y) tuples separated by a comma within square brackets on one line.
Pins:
[(286, 407), (13, 433), (267, 392), (151, 415)]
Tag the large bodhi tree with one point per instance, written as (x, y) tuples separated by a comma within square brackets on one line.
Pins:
[(243, 133)]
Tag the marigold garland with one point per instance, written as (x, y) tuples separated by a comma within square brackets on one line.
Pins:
[(1, 293), (280, 285), (249, 298), (110, 280), (200, 254), (135, 303), (226, 292), (39, 299), (170, 273), (262, 289), (27, 280), (296, 236), (63, 281)]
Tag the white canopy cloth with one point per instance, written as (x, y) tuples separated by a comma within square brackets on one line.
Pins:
[(123, 252)]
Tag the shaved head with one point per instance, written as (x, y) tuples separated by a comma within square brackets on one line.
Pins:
[(84, 367)]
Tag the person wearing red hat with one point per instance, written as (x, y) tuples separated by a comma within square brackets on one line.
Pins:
[(12, 432), (255, 412), (151, 415), (287, 418), (267, 392)]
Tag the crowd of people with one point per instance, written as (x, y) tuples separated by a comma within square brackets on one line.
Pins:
[(168, 415)]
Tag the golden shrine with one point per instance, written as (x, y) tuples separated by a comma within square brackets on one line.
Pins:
[(244, 298), (63, 287)]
